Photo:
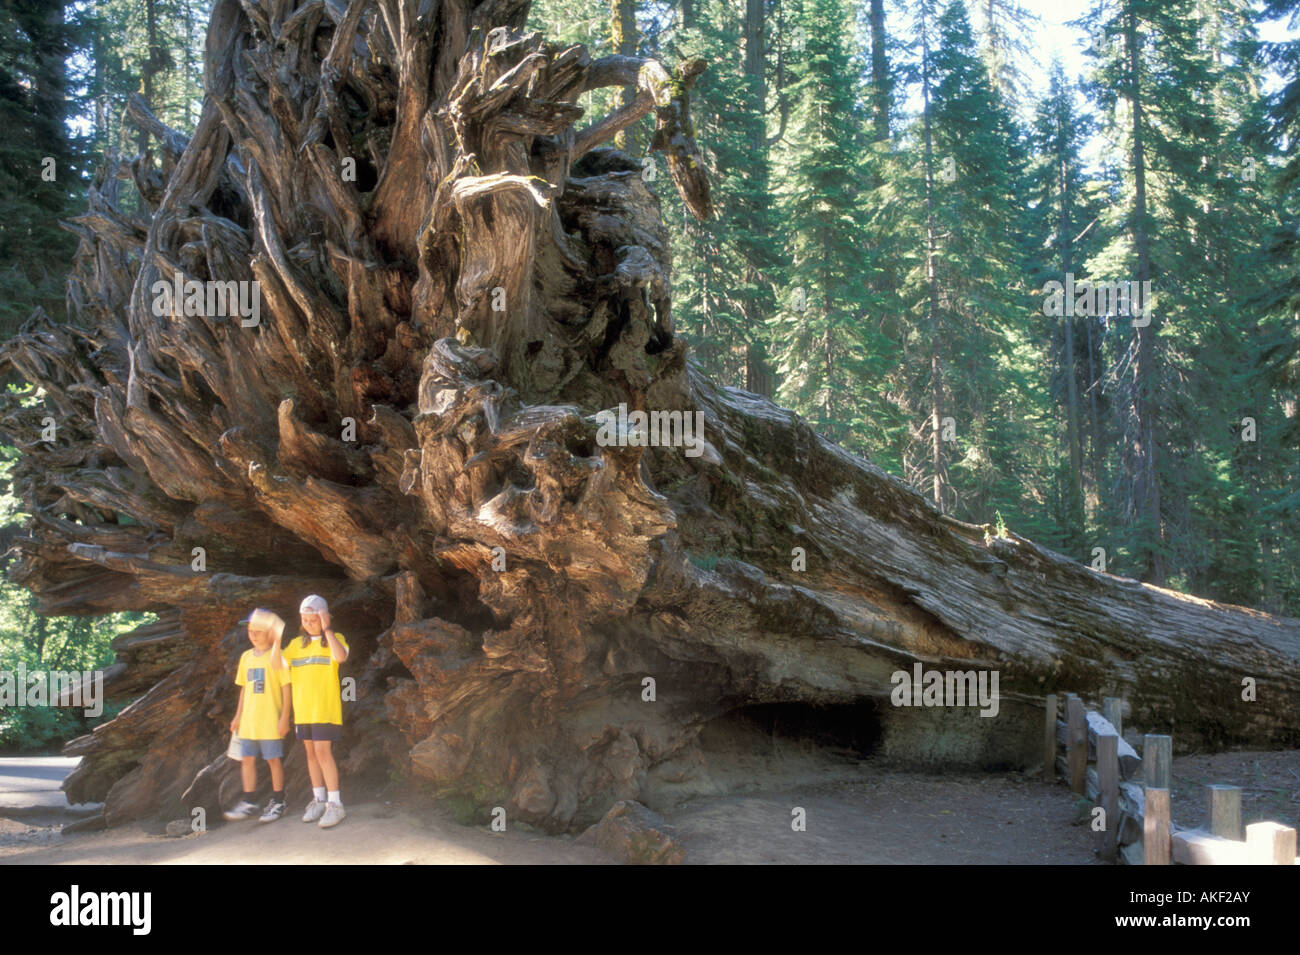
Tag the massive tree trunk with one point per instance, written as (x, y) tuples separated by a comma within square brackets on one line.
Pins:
[(410, 431)]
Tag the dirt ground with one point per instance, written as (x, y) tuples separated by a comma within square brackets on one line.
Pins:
[(892, 817), (372, 834), (873, 816), (897, 818), (1270, 784), (871, 813)]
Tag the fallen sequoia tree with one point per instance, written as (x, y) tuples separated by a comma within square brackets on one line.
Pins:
[(455, 278)]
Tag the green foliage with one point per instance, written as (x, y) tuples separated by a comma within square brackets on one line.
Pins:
[(40, 160), (724, 269), (43, 728), (1209, 215), (704, 561), (880, 278), (43, 644), (830, 354), (880, 284)]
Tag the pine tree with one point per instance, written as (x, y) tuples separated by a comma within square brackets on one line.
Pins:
[(829, 351), (40, 161), (1175, 84), (1146, 56), (1062, 216), (1276, 366), (963, 290), (1005, 26), (723, 268)]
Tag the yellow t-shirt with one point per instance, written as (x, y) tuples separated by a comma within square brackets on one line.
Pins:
[(263, 695), (316, 695)]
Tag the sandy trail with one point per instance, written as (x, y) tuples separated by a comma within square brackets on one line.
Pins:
[(865, 812), (372, 834), (877, 818), (890, 819)]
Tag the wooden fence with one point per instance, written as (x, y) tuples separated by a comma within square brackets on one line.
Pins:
[(1133, 792)]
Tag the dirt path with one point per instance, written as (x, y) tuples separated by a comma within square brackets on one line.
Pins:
[(900, 819), (869, 814), (33, 782), (372, 834), (882, 817), (1270, 784), (892, 818)]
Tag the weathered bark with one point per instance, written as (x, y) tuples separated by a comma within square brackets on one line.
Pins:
[(489, 282)]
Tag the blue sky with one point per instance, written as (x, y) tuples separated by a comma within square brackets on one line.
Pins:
[(1054, 37)]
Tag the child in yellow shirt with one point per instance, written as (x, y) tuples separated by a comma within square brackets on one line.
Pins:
[(262, 717), (314, 660)]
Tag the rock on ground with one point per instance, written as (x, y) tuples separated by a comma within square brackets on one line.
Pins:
[(632, 833)]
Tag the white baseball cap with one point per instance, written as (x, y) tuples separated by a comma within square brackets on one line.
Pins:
[(313, 604)]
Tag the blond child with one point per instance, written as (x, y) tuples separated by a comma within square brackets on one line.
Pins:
[(262, 717), (314, 660)]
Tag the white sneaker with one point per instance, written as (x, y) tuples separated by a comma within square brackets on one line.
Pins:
[(333, 816), (315, 809), (245, 810), (274, 810)]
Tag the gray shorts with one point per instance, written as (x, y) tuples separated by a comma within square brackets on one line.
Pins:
[(266, 748)]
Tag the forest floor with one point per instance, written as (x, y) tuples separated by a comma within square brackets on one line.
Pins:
[(865, 812), (885, 817)]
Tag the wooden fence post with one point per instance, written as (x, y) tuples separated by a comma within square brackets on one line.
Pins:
[(1108, 795), (1157, 760), (1112, 707), (1155, 838), (1270, 843), (1049, 739), (1225, 810), (1077, 743)]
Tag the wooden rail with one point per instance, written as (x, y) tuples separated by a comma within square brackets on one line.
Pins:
[(1133, 793)]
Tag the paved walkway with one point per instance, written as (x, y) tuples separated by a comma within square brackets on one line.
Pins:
[(30, 784)]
